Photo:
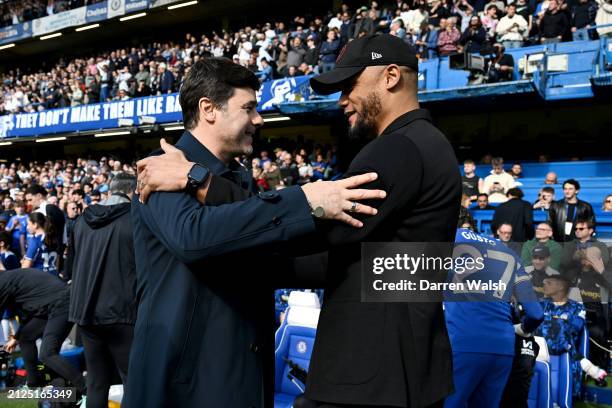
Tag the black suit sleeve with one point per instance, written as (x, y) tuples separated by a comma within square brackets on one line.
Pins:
[(402, 188)]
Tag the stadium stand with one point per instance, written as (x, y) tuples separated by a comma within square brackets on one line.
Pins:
[(48, 99), (595, 181), (281, 49)]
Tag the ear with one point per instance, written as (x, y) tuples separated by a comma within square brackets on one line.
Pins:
[(392, 75), (207, 110)]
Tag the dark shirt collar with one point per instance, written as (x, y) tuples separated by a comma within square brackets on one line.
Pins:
[(407, 118), (197, 152)]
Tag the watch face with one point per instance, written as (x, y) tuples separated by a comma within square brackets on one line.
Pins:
[(198, 174), (318, 212)]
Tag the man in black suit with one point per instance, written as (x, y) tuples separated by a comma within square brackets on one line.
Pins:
[(382, 354), (516, 212), (385, 354)]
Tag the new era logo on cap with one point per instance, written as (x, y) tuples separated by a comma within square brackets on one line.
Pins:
[(376, 55)]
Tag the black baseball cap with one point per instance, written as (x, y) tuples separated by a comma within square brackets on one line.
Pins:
[(540, 251), (366, 51), (559, 276)]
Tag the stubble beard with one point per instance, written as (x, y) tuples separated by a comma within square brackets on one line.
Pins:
[(365, 125)]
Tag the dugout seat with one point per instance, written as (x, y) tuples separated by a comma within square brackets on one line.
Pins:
[(559, 368), (306, 307), (294, 342), (539, 392)]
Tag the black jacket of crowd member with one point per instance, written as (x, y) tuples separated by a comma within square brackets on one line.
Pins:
[(554, 25), (101, 265), (517, 213), (557, 215), (473, 40), (32, 292), (584, 14)]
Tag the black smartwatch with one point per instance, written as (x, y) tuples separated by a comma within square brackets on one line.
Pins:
[(197, 176)]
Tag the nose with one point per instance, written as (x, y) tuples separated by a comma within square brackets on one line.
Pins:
[(343, 102), (257, 120)]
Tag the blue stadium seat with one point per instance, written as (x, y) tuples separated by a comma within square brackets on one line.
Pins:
[(296, 346), (571, 169), (294, 342), (603, 230), (303, 310), (561, 380), (539, 393)]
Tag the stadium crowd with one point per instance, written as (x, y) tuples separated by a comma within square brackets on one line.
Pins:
[(72, 185), (21, 11), (298, 47)]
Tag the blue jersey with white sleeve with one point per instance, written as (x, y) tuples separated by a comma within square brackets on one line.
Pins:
[(41, 256), (479, 317)]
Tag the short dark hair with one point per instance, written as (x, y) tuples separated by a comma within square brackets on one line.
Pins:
[(573, 182), (547, 223), (36, 189), (213, 78), (123, 183), (483, 194), (515, 192), (589, 222), (548, 190), (469, 161)]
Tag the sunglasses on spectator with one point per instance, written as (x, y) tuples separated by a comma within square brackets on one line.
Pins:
[(581, 228), (608, 201)]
